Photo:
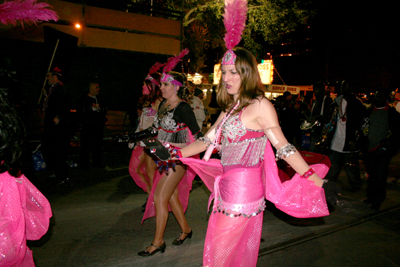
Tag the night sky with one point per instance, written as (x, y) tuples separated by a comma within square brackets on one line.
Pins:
[(351, 40)]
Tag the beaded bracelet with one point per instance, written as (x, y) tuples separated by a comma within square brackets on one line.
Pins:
[(285, 151), (308, 173), (205, 140)]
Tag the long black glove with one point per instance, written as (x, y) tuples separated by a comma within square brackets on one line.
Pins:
[(332, 191), (136, 137)]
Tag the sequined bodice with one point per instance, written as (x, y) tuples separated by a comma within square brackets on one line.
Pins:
[(240, 145), (173, 125)]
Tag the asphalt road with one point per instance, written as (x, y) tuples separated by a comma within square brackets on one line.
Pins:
[(96, 222)]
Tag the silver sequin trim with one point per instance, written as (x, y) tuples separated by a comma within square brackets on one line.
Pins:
[(236, 210)]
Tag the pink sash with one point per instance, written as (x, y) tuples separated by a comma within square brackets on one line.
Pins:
[(239, 191)]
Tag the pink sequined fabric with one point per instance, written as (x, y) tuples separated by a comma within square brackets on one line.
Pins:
[(25, 214)]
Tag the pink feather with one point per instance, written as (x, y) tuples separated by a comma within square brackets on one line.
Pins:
[(235, 21), (173, 61), (26, 11), (155, 67)]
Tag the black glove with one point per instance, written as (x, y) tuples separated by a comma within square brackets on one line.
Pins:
[(157, 148), (136, 137), (332, 191)]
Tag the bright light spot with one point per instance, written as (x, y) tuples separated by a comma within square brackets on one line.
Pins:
[(77, 25)]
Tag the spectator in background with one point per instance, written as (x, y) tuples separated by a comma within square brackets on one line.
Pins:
[(198, 108), (379, 139), (56, 132), (92, 111), (349, 113)]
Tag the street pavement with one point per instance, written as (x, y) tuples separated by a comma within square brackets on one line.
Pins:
[(97, 222)]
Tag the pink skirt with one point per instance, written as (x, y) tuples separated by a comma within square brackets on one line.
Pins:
[(234, 229)]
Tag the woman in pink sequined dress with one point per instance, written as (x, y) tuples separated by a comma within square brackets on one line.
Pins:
[(247, 172), (141, 165)]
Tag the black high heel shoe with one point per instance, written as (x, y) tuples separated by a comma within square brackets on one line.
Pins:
[(145, 253), (179, 241)]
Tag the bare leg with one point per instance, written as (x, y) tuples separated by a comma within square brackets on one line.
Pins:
[(165, 189), (150, 169), (177, 210), (142, 175)]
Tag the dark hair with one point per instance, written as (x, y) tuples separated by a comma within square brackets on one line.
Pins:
[(183, 92), (251, 86), (12, 134), (153, 88), (287, 93)]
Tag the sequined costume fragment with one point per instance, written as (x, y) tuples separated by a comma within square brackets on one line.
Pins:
[(176, 126), (246, 174), (25, 215)]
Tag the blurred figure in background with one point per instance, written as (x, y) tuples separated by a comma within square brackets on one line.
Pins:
[(349, 113), (56, 132), (92, 111), (198, 107), (380, 134)]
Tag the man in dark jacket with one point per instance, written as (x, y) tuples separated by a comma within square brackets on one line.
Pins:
[(379, 140), (343, 152), (92, 111), (55, 136)]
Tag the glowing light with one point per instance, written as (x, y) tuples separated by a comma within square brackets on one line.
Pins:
[(77, 25), (197, 79)]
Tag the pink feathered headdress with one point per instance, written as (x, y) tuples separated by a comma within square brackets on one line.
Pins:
[(170, 65), (235, 22), (25, 11), (152, 70)]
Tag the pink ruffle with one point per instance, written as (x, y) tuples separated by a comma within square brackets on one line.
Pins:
[(134, 164), (25, 214)]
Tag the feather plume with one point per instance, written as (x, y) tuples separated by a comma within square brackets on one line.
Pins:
[(234, 21), (26, 11), (155, 67), (173, 61)]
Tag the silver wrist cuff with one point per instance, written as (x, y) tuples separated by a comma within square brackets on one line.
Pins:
[(285, 151), (205, 140)]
